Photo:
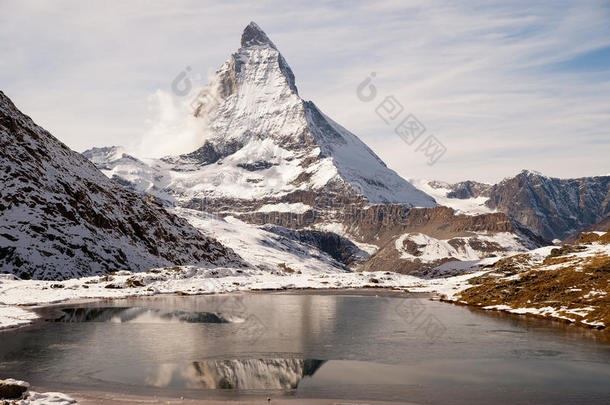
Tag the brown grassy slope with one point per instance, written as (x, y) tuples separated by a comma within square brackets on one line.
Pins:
[(563, 281)]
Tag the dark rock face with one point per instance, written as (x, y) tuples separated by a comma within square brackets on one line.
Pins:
[(603, 225), (60, 217), (469, 189), (254, 36), (253, 167), (555, 208), (207, 154), (339, 248)]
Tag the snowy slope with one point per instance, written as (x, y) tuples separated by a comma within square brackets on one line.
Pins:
[(444, 194), (61, 217), (261, 248)]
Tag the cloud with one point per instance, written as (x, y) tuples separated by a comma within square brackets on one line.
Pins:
[(491, 80), (172, 130)]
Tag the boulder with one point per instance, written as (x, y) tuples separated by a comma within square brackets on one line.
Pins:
[(11, 389)]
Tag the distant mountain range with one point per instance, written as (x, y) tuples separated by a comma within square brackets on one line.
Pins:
[(554, 208)]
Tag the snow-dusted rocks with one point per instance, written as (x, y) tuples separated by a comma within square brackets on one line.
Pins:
[(12, 389), (554, 208), (18, 393), (60, 217), (437, 242)]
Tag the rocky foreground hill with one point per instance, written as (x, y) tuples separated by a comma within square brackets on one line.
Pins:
[(571, 282), (60, 217)]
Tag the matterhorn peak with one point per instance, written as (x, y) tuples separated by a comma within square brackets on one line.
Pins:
[(263, 142), (253, 35)]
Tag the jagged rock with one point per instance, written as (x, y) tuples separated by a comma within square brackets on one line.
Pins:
[(339, 248), (554, 208)]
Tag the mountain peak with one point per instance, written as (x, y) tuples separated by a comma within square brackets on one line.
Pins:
[(253, 35), (262, 132)]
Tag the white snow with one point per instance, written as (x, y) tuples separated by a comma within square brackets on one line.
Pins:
[(11, 316), (45, 398), (467, 206), (431, 249), (297, 208)]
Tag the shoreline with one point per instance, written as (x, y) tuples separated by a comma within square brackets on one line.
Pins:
[(41, 309), (105, 398), (19, 297), (39, 321)]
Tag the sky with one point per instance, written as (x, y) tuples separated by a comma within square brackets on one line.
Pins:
[(502, 86)]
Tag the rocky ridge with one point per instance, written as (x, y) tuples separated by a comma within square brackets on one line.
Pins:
[(62, 218)]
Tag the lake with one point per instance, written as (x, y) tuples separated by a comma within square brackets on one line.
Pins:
[(356, 346)]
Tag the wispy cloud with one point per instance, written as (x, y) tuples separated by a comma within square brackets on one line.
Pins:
[(493, 80)]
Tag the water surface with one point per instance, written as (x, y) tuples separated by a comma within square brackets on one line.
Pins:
[(354, 347)]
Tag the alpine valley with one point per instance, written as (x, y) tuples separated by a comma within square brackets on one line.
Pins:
[(278, 192), (275, 161)]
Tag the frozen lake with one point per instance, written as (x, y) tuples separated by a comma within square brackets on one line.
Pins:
[(350, 346)]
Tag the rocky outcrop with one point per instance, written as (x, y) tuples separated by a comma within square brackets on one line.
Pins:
[(13, 389), (554, 208), (469, 189), (339, 248), (429, 237)]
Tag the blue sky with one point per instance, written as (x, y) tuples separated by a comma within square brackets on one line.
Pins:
[(503, 85)]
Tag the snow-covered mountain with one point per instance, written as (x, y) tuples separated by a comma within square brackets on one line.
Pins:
[(271, 159), (263, 144), (61, 217), (555, 208), (277, 249)]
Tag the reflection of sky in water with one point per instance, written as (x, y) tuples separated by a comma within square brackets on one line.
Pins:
[(372, 346)]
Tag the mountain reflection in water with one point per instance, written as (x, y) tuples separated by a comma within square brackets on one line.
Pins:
[(137, 314), (243, 374)]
